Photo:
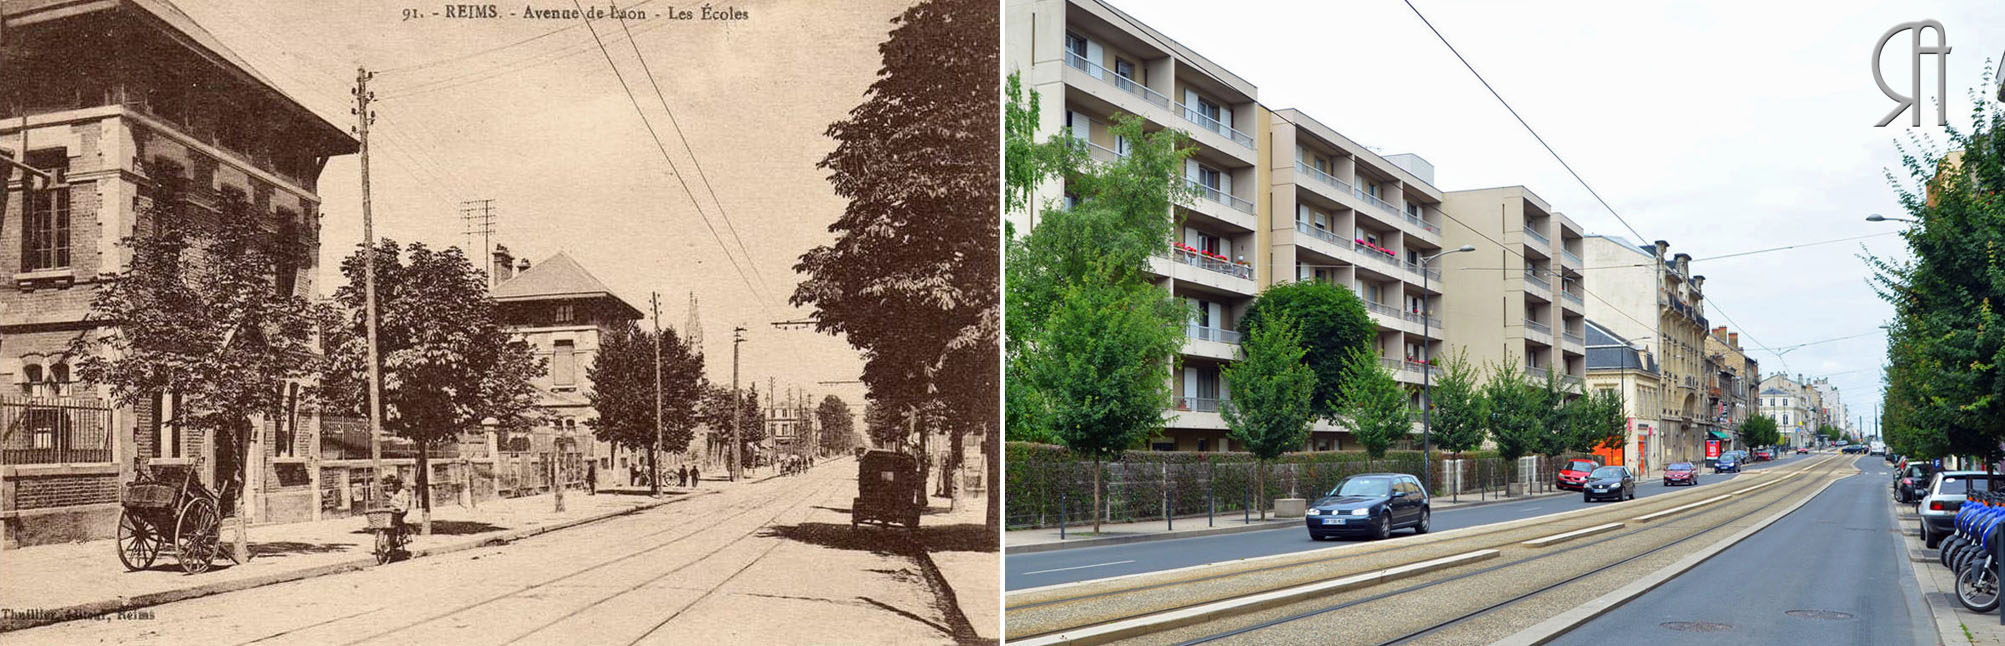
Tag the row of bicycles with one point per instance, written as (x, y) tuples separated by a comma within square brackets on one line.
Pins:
[(1972, 551)]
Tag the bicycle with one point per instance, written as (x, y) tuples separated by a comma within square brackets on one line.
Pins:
[(391, 536)]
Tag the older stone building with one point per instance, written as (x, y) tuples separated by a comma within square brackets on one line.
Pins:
[(1645, 296), (113, 99)]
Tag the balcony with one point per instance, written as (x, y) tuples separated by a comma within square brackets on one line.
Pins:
[(1538, 283), (1221, 197), (1312, 172), (1535, 235), (1571, 258), (1416, 221), (1199, 404), (1203, 333), (1574, 381), (1374, 201), (1424, 319), (1122, 83), (1572, 297), (1538, 327), (1319, 233), (1430, 272), (1385, 310), (1375, 252), (1574, 338), (1212, 263), (1536, 372), (1103, 154), (1208, 123)]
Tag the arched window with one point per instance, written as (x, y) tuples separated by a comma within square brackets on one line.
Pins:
[(31, 375)]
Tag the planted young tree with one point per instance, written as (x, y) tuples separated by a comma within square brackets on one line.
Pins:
[(446, 361), (1373, 405), (1597, 422), (623, 376), (838, 429), (1518, 412), (1760, 430), (1459, 415), (1334, 325), (1270, 409), (204, 311)]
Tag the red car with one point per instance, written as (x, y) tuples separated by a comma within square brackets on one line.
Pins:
[(1574, 474), (1802, 450), (1764, 455), (1680, 474)]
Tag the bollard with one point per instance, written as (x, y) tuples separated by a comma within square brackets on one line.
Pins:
[(1061, 515), (1247, 505), (1169, 523)]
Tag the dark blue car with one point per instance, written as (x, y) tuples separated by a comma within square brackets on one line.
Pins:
[(1371, 504), (1727, 462)]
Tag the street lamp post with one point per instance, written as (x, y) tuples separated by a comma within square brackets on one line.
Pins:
[(1427, 374)]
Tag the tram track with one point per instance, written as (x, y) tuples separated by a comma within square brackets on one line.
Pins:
[(1198, 609)]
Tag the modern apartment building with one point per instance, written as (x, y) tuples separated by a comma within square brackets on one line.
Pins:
[(1346, 216), (115, 99), (1524, 279), (1089, 62), (1617, 364), (1642, 295)]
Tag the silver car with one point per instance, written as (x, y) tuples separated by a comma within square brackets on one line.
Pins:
[(1944, 496)]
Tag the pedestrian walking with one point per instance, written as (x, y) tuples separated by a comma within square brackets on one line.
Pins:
[(682, 476), (592, 477), (695, 476)]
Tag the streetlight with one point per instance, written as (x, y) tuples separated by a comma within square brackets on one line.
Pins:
[(1881, 218), (1427, 373)]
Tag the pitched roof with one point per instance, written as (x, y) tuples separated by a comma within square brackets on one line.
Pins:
[(557, 277)]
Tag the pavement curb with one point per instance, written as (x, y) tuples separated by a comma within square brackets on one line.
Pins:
[(43, 617), (1546, 631), (1217, 531), (950, 602)]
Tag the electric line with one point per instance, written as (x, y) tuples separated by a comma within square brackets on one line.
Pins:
[(1735, 254), (671, 162), (525, 63)]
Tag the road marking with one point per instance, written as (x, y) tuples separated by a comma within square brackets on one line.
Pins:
[(1561, 538), (1532, 508), (1673, 510), (1079, 567)]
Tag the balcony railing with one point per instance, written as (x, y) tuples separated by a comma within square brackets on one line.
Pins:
[(1538, 327), (1320, 176), (1424, 319), (1415, 219), (1103, 154), (1228, 268), (1535, 235), (1384, 309), (1374, 253), (1319, 233), (1571, 257), (1576, 339), (1203, 333), (1124, 83), (1535, 372), (1221, 197), (1374, 201), (1573, 380), (1199, 404), (1430, 272), (1205, 121), (1572, 297)]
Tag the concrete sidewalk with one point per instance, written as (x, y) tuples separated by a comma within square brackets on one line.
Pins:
[(961, 549), (50, 583), (1078, 535), (1954, 623)]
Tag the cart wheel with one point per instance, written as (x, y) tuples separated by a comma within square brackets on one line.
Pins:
[(195, 535), (384, 547), (138, 541)]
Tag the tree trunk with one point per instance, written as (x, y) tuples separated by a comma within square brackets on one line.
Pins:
[(1260, 487), (1096, 495), (424, 484), (953, 465), (241, 548), (992, 449), (654, 468)]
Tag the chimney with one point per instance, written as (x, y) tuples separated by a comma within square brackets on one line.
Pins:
[(1662, 247), (1699, 283), (502, 263), (1733, 339), (522, 265), (1684, 263)]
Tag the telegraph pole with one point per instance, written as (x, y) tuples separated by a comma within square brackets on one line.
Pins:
[(362, 118), (737, 412), (654, 455)]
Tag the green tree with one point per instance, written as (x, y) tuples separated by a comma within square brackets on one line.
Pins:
[(1334, 325), (838, 429), (1373, 405), (1760, 430), (1596, 421), (1559, 430), (1459, 414), (447, 363), (1270, 409), (623, 376), (204, 311), (1832, 434), (1518, 411)]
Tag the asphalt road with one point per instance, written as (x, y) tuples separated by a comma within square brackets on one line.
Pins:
[(772, 562), (1841, 553), (1037, 569)]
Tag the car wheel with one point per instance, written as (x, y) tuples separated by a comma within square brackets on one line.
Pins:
[(1586, 498), (1632, 494), (1928, 540), (1384, 527), (1426, 522)]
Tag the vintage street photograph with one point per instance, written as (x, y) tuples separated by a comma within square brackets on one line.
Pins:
[(547, 323)]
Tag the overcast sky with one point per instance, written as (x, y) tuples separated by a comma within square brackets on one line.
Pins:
[(1718, 126), (545, 130)]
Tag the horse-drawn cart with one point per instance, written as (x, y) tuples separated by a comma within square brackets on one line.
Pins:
[(159, 517)]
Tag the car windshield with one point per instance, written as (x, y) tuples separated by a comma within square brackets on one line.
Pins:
[(1609, 472), (1579, 465), (1363, 487), (1681, 466)]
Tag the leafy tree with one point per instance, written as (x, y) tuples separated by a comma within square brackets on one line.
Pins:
[(1334, 325), (1760, 430), (838, 429), (623, 378), (1269, 412), (912, 280), (1373, 405), (202, 312), (1558, 432), (1831, 433), (1518, 411), (447, 363), (1460, 414), (1596, 421), (752, 425)]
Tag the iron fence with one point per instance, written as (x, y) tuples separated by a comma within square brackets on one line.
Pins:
[(55, 430)]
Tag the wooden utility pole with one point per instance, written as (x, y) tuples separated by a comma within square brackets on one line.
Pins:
[(654, 454), (362, 119), (737, 409)]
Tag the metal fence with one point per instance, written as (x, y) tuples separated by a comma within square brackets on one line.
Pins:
[(1047, 494), (55, 430)]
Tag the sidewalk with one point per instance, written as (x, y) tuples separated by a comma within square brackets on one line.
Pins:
[(1080, 534), (961, 548), (1954, 623), (50, 583)]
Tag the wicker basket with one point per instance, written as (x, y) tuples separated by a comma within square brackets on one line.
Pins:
[(379, 518), (147, 495)]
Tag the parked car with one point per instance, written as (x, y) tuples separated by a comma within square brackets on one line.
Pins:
[(1944, 496), (1764, 455), (1853, 448), (1803, 450), (1372, 504), (1728, 463), (1909, 483), (887, 485), (1609, 482), (1574, 474), (1681, 474)]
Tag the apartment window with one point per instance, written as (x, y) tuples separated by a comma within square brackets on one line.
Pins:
[(1080, 126), (563, 363), (1208, 109), (45, 239), (1607, 392), (1071, 201), (1374, 292), (1370, 188), (1076, 44), (566, 314), (1124, 69), (1207, 242), (1208, 177)]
